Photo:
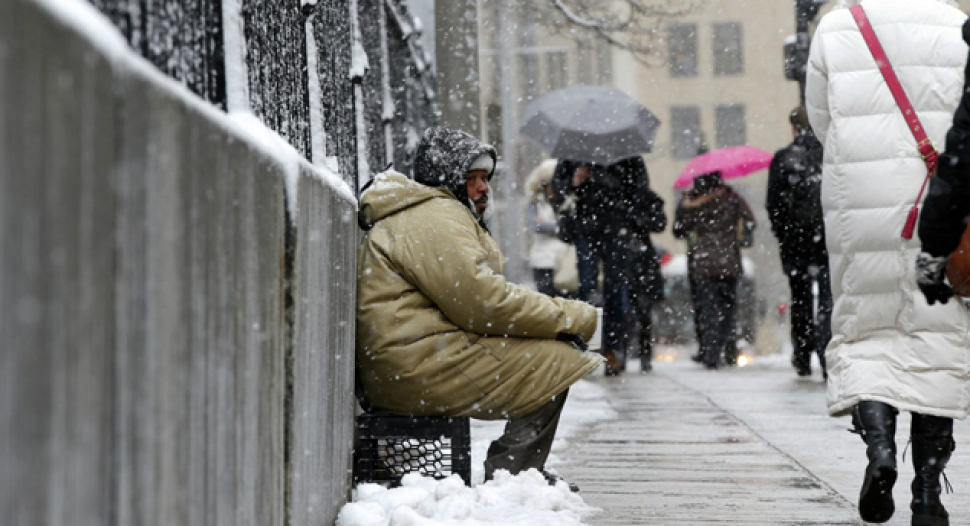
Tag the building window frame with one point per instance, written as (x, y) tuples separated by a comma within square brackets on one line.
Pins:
[(728, 49), (682, 50), (730, 125), (686, 132)]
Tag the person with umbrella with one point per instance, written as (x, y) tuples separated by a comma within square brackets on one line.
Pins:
[(613, 207), (714, 219), (599, 134)]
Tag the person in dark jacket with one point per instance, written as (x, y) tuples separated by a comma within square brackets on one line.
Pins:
[(712, 218), (601, 225), (945, 214), (646, 283), (795, 210), (946, 209)]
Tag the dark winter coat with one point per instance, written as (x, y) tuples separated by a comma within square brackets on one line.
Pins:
[(711, 223), (647, 280), (606, 203), (947, 206), (794, 202), (439, 329)]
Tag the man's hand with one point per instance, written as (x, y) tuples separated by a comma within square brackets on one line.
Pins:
[(930, 272)]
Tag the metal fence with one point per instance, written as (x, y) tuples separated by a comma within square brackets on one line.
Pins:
[(177, 330)]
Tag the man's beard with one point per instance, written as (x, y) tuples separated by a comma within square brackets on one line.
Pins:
[(489, 211)]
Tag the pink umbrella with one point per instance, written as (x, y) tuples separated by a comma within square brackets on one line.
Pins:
[(733, 162)]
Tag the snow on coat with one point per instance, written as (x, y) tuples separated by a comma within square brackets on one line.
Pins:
[(439, 329), (888, 345)]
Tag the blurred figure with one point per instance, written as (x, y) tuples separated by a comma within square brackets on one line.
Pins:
[(794, 207), (646, 285), (714, 219), (890, 350), (947, 206), (602, 223), (546, 247)]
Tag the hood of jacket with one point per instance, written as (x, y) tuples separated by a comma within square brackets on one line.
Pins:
[(391, 192), (442, 159)]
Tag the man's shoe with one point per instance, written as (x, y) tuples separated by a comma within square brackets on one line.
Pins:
[(697, 358), (645, 365), (552, 478), (612, 367), (802, 367)]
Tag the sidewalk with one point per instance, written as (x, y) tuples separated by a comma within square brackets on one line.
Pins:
[(750, 446)]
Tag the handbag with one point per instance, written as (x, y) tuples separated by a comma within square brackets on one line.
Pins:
[(923, 144), (958, 266)]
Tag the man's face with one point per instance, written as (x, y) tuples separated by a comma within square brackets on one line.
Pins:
[(476, 182)]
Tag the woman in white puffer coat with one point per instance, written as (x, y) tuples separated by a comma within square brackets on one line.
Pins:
[(890, 350)]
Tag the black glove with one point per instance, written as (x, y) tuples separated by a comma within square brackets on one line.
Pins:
[(576, 340), (930, 272)]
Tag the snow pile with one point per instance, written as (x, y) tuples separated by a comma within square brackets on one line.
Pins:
[(523, 500)]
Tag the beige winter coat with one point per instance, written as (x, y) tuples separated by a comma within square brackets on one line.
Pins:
[(439, 329)]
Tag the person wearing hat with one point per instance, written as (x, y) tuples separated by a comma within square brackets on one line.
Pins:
[(440, 331), (794, 206)]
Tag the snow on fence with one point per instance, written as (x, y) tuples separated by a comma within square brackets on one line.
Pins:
[(176, 323)]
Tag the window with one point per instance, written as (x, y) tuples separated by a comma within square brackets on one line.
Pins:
[(528, 76), (557, 70), (728, 56), (685, 123), (729, 125), (604, 63), (682, 50)]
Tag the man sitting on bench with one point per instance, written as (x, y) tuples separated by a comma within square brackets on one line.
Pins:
[(440, 332)]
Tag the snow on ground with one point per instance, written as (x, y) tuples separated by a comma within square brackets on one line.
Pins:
[(522, 500)]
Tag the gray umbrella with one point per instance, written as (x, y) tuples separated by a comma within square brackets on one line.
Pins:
[(585, 123)]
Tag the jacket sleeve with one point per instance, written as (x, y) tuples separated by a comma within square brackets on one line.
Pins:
[(745, 211), (447, 262), (683, 221), (655, 219), (817, 84), (775, 202), (540, 227)]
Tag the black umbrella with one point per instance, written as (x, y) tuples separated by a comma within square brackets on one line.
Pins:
[(585, 123)]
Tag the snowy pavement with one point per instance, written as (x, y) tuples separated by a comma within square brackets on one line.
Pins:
[(680, 445)]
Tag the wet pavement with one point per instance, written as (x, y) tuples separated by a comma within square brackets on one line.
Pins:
[(744, 445)]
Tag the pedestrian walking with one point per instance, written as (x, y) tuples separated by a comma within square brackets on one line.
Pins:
[(440, 332), (602, 223), (546, 248), (794, 206), (646, 284), (714, 219), (884, 78)]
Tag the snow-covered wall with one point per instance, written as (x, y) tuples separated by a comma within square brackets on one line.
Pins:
[(176, 329)]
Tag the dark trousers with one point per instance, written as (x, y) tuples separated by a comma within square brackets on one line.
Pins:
[(715, 313), (527, 440), (643, 310), (810, 333), (543, 278), (615, 255)]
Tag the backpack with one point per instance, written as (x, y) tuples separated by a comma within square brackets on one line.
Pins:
[(803, 168)]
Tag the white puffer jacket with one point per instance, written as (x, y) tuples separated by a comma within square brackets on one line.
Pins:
[(888, 345)]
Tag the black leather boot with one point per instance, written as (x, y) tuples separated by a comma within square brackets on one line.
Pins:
[(932, 445), (876, 422)]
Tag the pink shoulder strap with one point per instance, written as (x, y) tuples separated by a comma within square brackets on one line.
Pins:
[(923, 144)]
